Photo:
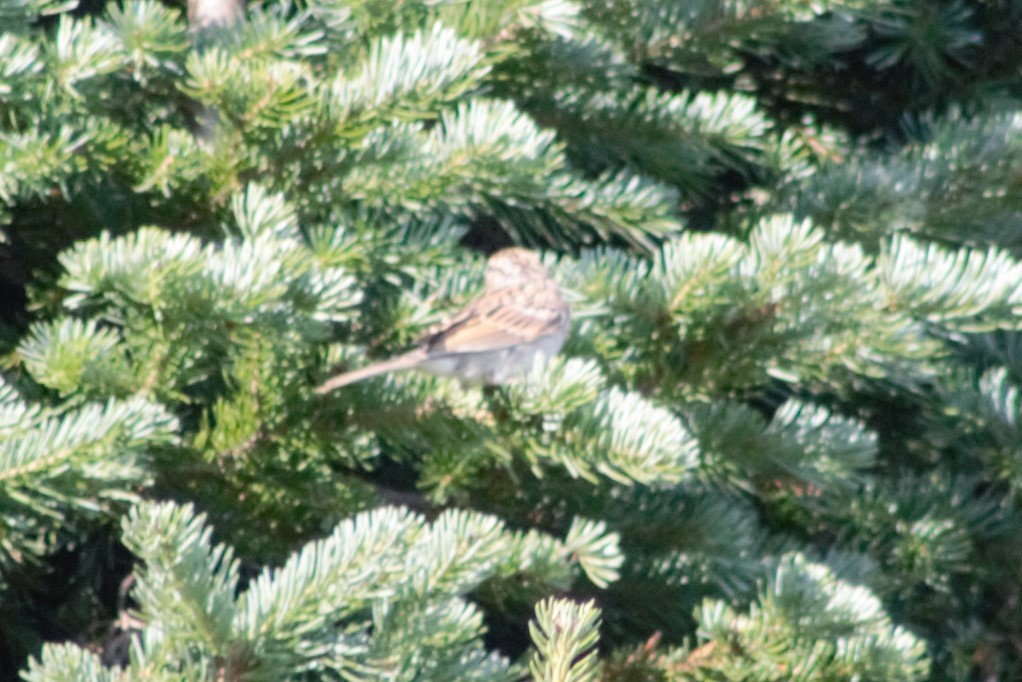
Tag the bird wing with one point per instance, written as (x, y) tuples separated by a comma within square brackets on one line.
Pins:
[(496, 321)]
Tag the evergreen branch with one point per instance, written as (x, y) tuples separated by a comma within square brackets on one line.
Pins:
[(386, 559), (470, 152), (17, 415), (795, 266), (614, 206), (255, 95), (553, 389), (560, 18), (713, 39), (351, 23), (71, 355), (698, 269), (275, 32), (1003, 397), (503, 22), (69, 662), (602, 281), (735, 444), (392, 251), (173, 275), (804, 446), (186, 587), (19, 14), (807, 623), (927, 535), (130, 268), (939, 189), (967, 290), (459, 550), (20, 64), (91, 453), (258, 211), (550, 562), (434, 641), (36, 161), (281, 623), (487, 159), (949, 42), (686, 140), (711, 315), (444, 68), (597, 551), (628, 439), (283, 612), (170, 162), (586, 59), (997, 348), (151, 36), (688, 536), (565, 635), (82, 50), (58, 468), (834, 451)]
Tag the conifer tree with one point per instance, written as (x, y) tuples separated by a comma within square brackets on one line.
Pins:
[(782, 442)]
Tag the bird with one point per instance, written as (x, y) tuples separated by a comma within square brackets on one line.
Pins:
[(520, 314)]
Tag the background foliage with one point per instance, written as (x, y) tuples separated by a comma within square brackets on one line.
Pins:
[(783, 441)]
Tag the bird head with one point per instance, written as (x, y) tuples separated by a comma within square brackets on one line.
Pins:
[(513, 267)]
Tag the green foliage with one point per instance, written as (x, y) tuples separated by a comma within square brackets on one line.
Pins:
[(956, 187), (781, 444), (382, 596), (565, 634), (59, 468), (805, 624)]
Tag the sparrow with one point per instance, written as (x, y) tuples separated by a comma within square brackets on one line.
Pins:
[(521, 313)]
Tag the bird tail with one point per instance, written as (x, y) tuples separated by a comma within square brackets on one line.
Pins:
[(401, 362)]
